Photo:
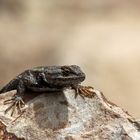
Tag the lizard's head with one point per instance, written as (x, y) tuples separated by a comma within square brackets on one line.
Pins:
[(67, 75)]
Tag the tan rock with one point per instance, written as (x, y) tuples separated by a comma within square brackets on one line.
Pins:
[(59, 116)]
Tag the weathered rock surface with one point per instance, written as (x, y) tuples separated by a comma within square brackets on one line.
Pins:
[(59, 116)]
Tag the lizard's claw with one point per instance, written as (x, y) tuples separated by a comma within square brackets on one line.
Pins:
[(17, 102), (84, 91)]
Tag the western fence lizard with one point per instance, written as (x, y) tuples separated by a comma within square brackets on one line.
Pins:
[(45, 79)]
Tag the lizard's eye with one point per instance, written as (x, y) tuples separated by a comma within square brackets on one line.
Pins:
[(67, 70)]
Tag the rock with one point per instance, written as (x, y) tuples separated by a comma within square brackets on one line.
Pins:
[(59, 116)]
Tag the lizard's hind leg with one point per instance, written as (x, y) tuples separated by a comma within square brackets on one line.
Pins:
[(17, 102)]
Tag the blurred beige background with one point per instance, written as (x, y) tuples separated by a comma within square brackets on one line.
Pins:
[(103, 37)]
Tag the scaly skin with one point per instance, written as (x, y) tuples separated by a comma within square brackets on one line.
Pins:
[(44, 79)]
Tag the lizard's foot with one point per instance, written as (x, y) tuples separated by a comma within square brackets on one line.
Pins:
[(16, 102), (84, 91)]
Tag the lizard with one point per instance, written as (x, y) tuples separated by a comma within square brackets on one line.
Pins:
[(46, 79)]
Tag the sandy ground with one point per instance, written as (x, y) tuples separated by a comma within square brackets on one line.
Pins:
[(105, 45)]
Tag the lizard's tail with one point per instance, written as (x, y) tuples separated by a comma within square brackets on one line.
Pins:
[(10, 86)]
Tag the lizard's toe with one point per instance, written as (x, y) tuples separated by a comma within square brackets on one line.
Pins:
[(16, 103), (84, 91)]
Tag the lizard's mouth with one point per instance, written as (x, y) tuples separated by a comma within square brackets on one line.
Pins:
[(68, 80)]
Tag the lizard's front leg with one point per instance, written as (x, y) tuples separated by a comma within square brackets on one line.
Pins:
[(16, 101), (84, 91)]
